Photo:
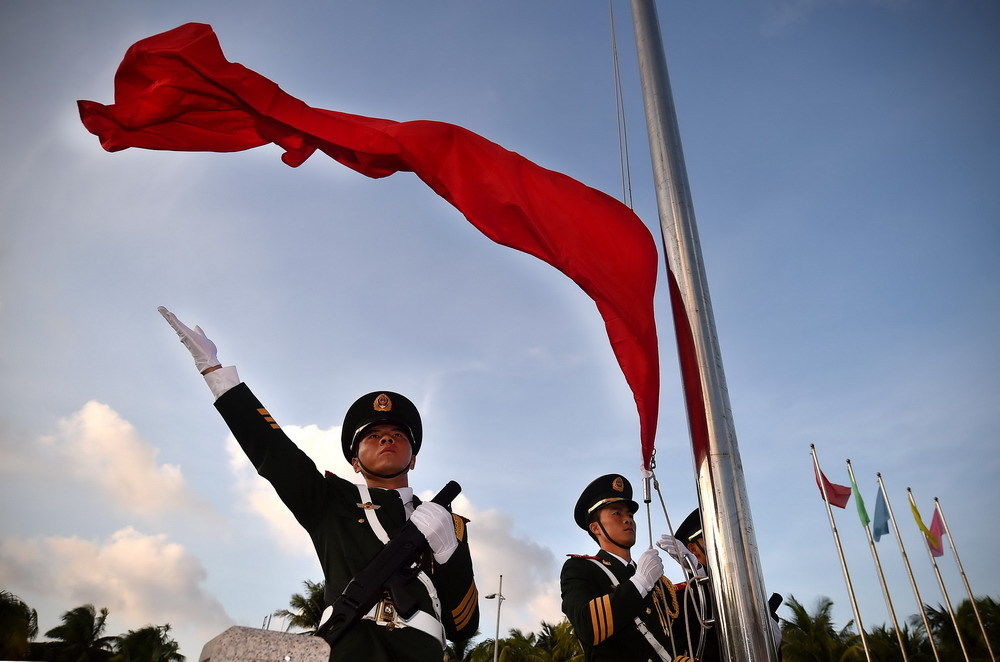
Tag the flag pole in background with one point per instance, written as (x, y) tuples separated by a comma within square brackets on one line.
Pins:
[(965, 580), (934, 549), (839, 490), (863, 516), (883, 498)]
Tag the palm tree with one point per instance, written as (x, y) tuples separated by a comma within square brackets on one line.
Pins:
[(459, 651), (306, 610), (79, 637), (812, 638), (18, 626), (558, 643), (149, 644), (944, 630)]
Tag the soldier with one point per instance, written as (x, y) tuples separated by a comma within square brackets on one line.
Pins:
[(621, 610), (349, 524), (690, 541)]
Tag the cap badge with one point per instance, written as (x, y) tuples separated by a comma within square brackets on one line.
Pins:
[(618, 485), (382, 403)]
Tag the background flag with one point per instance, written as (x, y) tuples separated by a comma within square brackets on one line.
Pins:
[(937, 530), (880, 525), (859, 503), (934, 542), (177, 91), (836, 495)]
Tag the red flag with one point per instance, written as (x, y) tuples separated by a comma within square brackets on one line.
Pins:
[(177, 91), (836, 495)]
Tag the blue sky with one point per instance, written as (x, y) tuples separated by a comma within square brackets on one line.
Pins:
[(843, 163)]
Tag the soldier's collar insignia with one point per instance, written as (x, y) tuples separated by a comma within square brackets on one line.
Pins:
[(618, 484), (369, 506), (382, 403), (605, 562)]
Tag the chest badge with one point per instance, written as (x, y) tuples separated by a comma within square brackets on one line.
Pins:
[(369, 506)]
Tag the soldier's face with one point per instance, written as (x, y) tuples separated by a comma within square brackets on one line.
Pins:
[(385, 449), (618, 522)]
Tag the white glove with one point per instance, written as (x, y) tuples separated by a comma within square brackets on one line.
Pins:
[(648, 570), (202, 349), (675, 549), (437, 526)]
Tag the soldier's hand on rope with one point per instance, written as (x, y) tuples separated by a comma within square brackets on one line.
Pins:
[(648, 570), (676, 549), (202, 349), (438, 527)]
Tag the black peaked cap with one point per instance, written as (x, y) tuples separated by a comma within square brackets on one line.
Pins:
[(603, 491), (690, 528), (380, 407)]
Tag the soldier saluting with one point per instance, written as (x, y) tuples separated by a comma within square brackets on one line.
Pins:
[(350, 524), (621, 611)]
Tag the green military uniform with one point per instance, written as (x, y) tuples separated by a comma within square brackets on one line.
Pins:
[(612, 620), (345, 522)]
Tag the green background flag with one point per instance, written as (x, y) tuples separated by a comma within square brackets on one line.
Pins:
[(860, 503)]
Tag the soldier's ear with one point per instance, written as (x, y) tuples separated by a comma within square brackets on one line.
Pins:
[(356, 463), (413, 462), (594, 528)]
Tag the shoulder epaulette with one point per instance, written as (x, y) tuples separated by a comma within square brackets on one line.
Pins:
[(584, 556)]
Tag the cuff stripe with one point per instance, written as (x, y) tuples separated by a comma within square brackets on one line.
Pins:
[(463, 613)]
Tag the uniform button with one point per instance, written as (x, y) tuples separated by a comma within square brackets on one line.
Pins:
[(361, 520), (648, 611)]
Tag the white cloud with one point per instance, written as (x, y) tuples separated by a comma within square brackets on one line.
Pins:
[(530, 571), (141, 578), (96, 446), (256, 495)]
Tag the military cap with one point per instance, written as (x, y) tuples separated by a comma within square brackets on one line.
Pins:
[(601, 492), (380, 407), (690, 529)]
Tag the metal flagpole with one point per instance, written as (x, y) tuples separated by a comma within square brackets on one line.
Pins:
[(940, 581), (881, 577), (733, 561), (965, 580), (909, 570), (840, 553)]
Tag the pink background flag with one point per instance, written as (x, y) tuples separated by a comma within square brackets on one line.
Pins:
[(177, 91), (936, 543)]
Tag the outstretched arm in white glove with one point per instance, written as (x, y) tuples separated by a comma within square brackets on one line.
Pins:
[(648, 570), (205, 355), (438, 527)]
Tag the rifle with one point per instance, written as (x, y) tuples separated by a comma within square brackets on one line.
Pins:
[(390, 569)]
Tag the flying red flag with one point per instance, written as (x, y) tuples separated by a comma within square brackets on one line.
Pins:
[(177, 91), (836, 495)]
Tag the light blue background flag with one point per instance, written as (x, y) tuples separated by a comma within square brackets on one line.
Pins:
[(880, 525)]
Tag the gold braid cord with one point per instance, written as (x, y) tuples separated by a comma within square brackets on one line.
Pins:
[(664, 611)]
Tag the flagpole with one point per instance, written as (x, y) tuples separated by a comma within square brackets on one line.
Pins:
[(734, 564), (940, 581), (909, 569), (881, 574), (840, 552), (965, 580)]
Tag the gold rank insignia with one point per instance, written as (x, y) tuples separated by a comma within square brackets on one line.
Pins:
[(369, 506), (267, 417), (618, 485), (382, 403)]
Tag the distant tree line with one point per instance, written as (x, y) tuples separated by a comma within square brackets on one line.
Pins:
[(79, 638), (808, 637)]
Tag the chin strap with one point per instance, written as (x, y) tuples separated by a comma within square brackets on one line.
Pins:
[(378, 475), (605, 532)]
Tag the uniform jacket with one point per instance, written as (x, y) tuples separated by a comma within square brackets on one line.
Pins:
[(603, 615), (329, 509)]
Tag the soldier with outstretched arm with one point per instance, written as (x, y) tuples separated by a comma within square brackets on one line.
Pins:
[(350, 524)]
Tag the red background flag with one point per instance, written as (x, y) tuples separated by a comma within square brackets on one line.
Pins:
[(177, 91), (836, 495)]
